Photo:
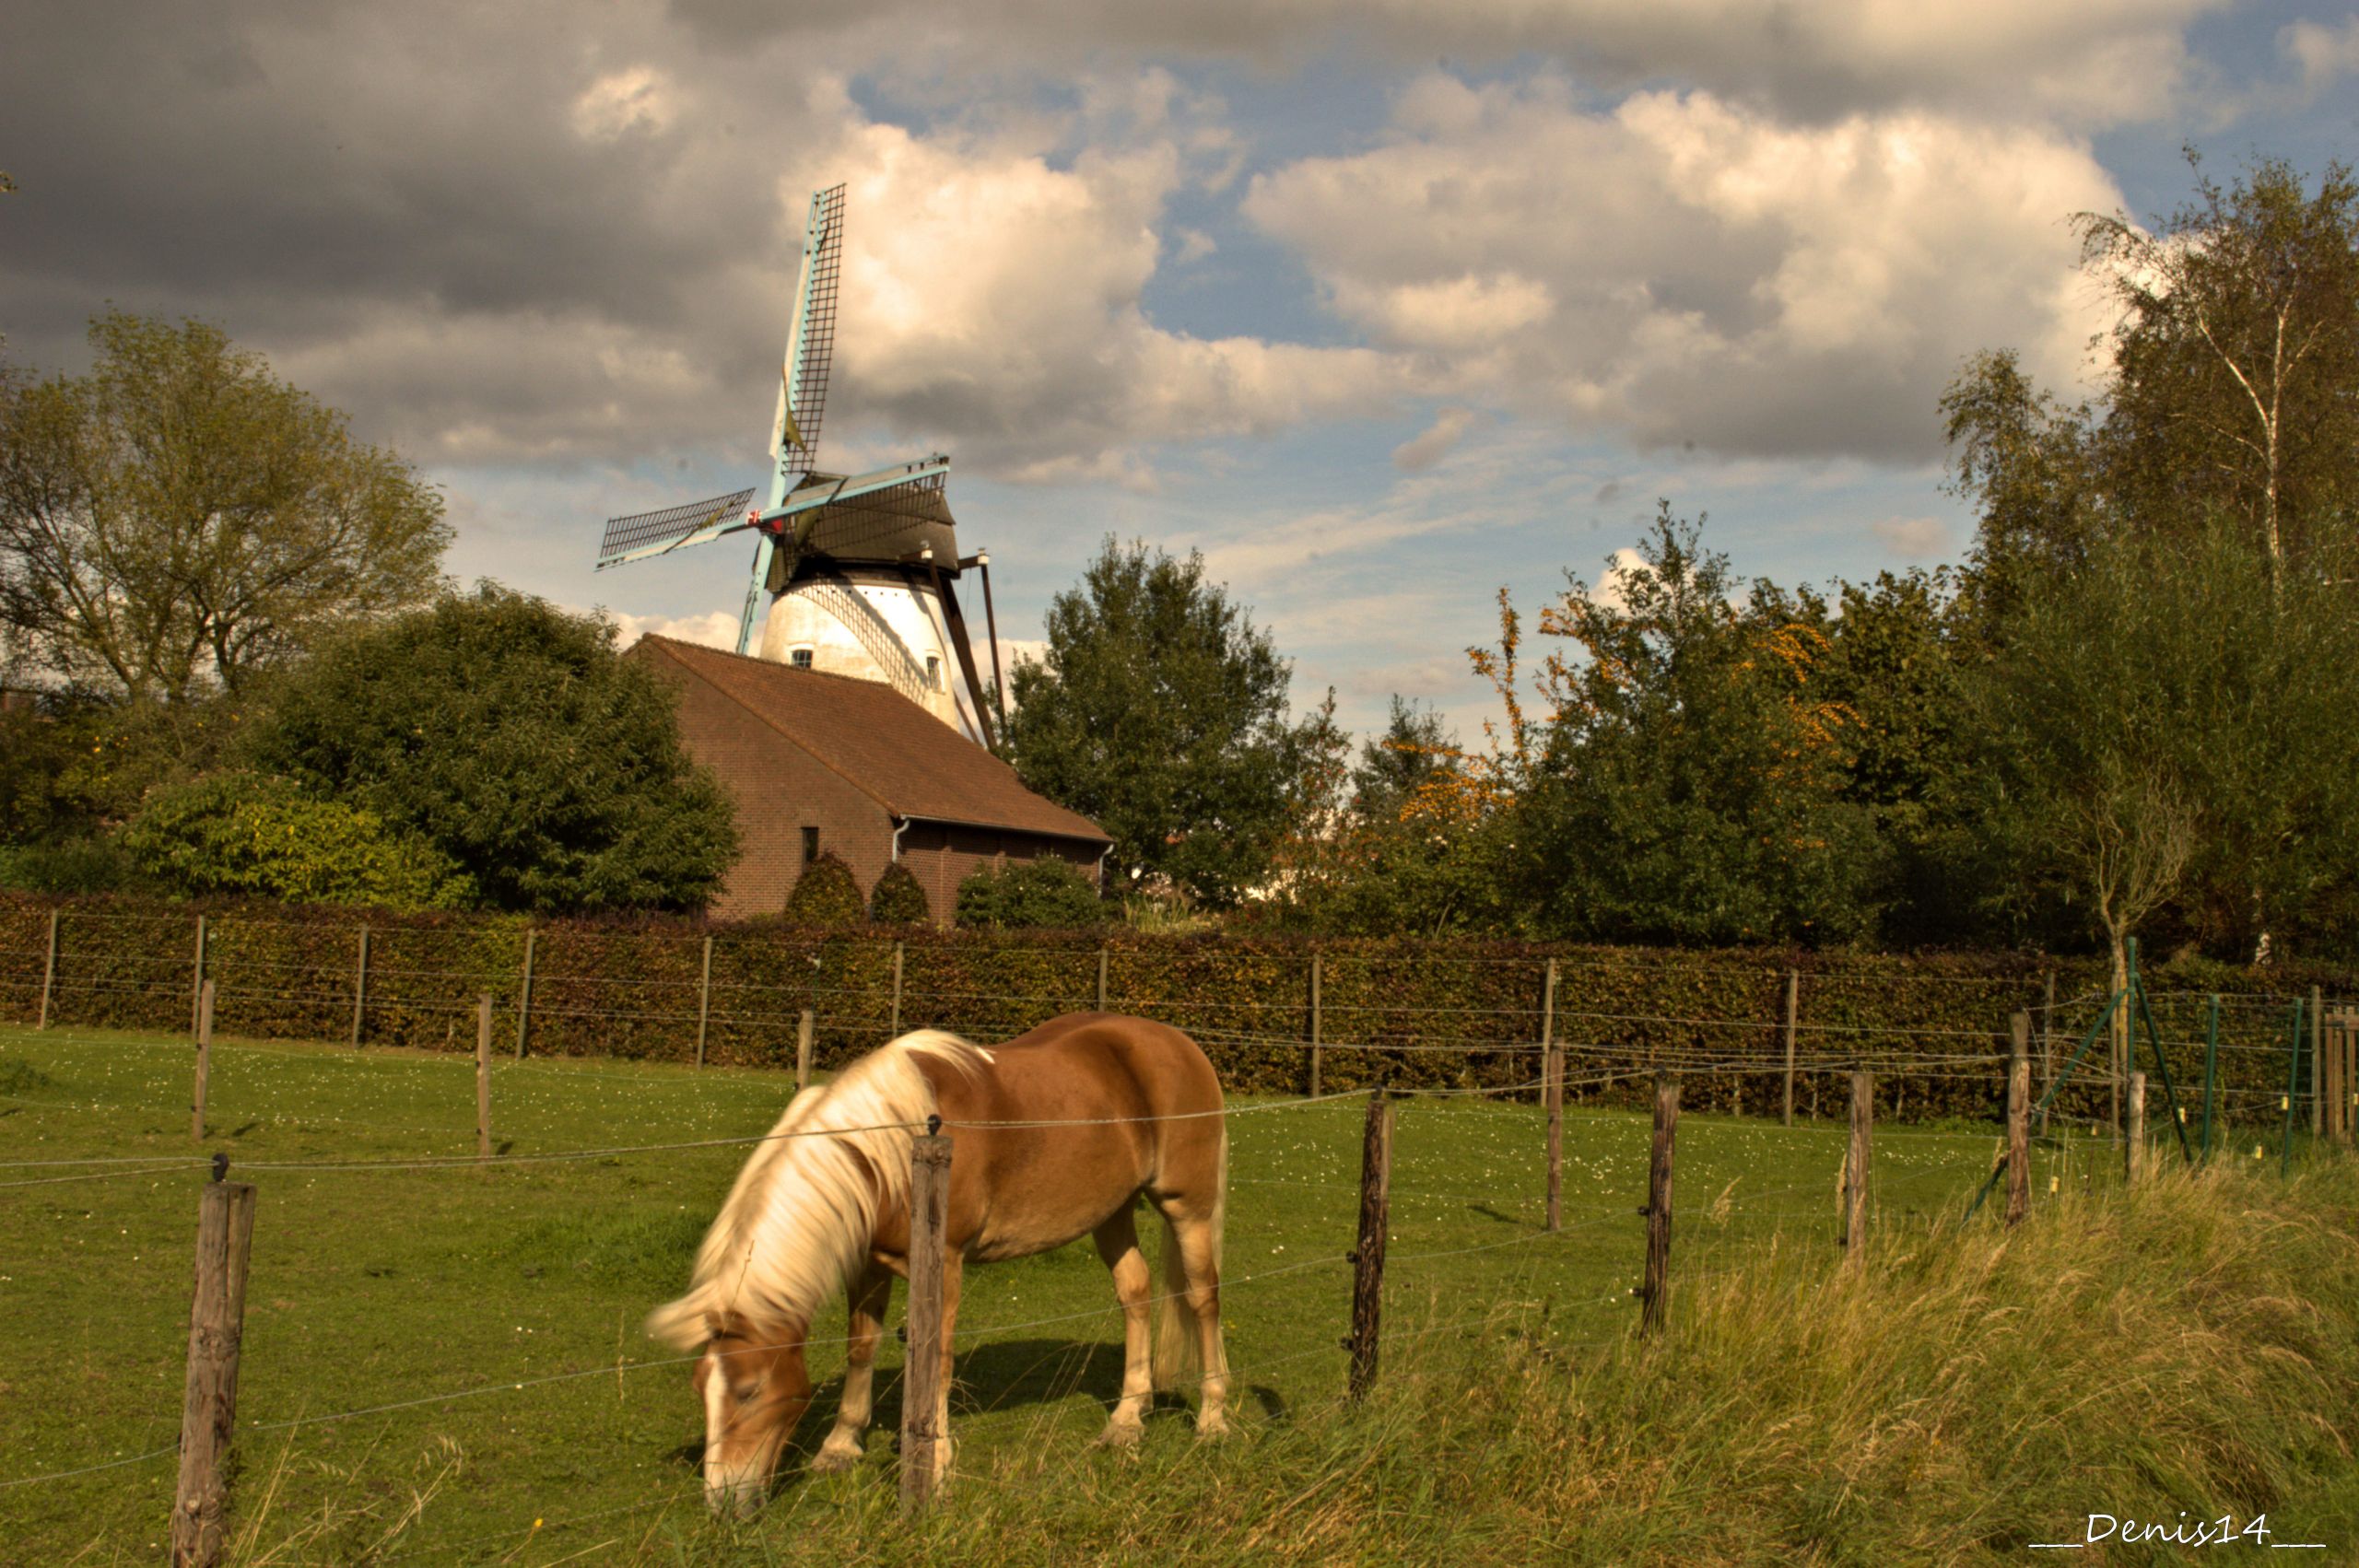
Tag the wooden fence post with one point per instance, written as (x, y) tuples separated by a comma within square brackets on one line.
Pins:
[(360, 988), (924, 1375), (1318, 1017), (1654, 1297), (483, 1076), (895, 1033), (704, 998), (804, 1028), (1855, 1166), (1101, 978), (1368, 1258), (1551, 1091), (196, 977), (2047, 1049), (217, 1318), (1793, 1005), (2134, 1136), (204, 1061), (2019, 1121), (524, 995), (49, 971)]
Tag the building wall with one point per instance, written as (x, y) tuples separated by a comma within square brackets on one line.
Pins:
[(941, 856), (780, 790)]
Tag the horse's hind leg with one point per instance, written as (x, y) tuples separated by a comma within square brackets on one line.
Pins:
[(869, 1298), (1198, 1241), (1118, 1244)]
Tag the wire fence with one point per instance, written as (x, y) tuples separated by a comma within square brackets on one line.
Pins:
[(1277, 1016)]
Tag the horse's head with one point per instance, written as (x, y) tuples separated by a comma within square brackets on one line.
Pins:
[(755, 1390)]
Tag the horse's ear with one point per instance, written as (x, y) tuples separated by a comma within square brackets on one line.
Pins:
[(681, 1323)]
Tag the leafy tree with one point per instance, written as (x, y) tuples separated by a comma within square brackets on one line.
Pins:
[(1897, 651), (73, 765), (510, 736), (1414, 752), (1423, 848), (826, 895), (898, 899), (2233, 388), (2236, 376), (1047, 892), (1691, 788), (245, 834), (181, 516), (2165, 744), (1159, 711)]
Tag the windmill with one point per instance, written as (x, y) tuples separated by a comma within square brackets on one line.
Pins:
[(858, 571)]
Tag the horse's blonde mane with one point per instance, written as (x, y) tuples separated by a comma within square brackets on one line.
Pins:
[(798, 1223)]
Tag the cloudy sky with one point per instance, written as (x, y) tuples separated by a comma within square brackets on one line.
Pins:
[(1382, 304)]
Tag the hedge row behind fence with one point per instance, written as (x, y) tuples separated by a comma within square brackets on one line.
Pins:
[(1412, 1014)]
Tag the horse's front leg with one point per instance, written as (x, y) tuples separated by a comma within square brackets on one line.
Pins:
[(869, 1298), (1118, 1244)]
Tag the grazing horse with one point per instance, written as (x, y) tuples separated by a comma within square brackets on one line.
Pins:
[(1054, 1135)]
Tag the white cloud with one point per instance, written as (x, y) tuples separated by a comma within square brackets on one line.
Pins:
[(1611, 588), (1913, 538), (1693, 272), (639, 98), (994, 297), (2088, 62), (718, 630), (1422, 451), (2323, 54)]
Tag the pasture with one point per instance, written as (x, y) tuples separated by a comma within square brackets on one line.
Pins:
[(444, 1362)]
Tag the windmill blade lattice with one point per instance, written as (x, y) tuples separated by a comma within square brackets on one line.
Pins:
[(817, 332), (670, 523)]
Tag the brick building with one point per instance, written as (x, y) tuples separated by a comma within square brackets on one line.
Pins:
[(820, 762)]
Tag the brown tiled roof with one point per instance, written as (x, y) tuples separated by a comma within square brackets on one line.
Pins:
[(886, 746)]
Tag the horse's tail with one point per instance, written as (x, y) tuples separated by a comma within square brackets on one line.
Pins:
[(1177, 1345)]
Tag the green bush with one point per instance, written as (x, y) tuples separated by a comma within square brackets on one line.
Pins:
[(511, 735), (898, 899), (71, 866), (1044, 892), (241, 833), (826, 896)]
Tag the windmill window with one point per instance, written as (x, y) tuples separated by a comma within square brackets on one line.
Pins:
[(810, 844), (933, 671), (799, 657)]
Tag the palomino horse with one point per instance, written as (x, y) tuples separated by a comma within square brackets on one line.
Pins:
[(1055, 1135)]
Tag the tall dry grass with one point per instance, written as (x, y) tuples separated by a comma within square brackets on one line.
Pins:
[(2189, 1348)]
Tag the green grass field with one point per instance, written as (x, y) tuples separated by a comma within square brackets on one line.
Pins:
[(380, 1286)]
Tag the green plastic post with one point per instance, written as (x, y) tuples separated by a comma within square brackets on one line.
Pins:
[(2162, 1063), (2211, 1071)]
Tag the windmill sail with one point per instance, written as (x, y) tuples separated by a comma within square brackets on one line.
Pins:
[(810, 342), (671, 526), (855, 570)]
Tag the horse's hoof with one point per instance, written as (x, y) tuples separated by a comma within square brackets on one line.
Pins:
[(833, 1462), (1121, 1435), (1213, 1430)]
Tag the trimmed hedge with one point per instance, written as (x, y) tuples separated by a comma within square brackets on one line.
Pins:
[(1408, 1013)]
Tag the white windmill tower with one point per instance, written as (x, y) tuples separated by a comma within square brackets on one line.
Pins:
[(857, 572)]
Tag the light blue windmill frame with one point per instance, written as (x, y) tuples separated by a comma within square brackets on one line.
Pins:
[(797, 495)]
